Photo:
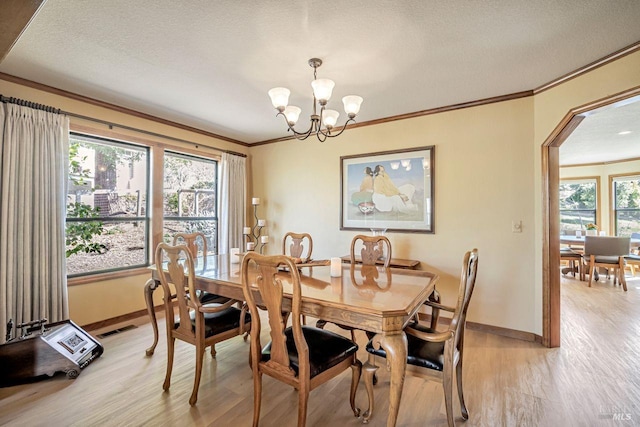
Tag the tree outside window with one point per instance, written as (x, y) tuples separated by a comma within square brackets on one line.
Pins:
[(578, 204)]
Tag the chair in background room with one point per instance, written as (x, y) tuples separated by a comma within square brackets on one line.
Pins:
[(439, 351), (296, 246), (303, 357), (197, 324), (633, 259), (608, 252), (575, 262)]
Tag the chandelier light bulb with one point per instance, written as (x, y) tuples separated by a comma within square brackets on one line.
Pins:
[(322, 89), (292, 113), (330, 118), (352, 105), (279, 97), (405, 163)]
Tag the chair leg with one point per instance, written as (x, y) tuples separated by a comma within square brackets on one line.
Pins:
[(149, 287), (356, 368), (171, 343), (620, 269), (303, 400), (463, 407), (447, 384), (592, 272), (353, 335), (257, 396), (196, 382), (213, 350), (369, 371)]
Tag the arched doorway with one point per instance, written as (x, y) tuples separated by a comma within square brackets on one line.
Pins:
[(551, 212)]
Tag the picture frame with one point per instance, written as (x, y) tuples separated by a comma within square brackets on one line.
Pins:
[(388, 190)]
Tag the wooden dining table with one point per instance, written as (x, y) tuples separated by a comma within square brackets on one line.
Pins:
[(376, 299)]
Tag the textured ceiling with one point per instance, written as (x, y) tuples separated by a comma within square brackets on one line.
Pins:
[(210, 64)]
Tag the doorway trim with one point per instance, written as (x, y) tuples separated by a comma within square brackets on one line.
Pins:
[(550, 162)]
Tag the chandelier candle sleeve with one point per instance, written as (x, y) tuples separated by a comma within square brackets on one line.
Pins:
[(262, 222), (246, 230), (264, 239), (255, 201)]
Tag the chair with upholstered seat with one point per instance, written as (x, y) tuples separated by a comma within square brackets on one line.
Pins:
[(197, 324), (371, 250), (633, 259), (575, 262), (608, 252), (438, 351), (196, 243), (301, 356), (293, 245)]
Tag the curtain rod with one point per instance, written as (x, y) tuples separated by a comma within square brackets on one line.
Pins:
[(111, 125), (29, 104)]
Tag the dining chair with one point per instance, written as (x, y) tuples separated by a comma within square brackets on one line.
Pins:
[(296, 246), (428, 348), (371, 249), (633, 259), (193, 242), (201, 325), (608, 252), (575, 262), (301, 356)]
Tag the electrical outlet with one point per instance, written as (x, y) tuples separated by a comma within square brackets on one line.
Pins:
[(516, 226)]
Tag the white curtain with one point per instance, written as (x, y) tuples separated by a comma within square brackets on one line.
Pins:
[(233, 194), (34, 147)]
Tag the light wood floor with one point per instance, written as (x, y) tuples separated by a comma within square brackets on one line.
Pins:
[(591, 379)]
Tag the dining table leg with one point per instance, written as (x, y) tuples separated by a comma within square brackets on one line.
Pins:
[(149, 287), (396, 348)]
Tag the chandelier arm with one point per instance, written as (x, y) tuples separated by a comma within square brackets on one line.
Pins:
[(328, 133), (299, 135)]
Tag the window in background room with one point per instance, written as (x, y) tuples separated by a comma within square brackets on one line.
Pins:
[(190, 197), (578, 204), (626, 206), (107, 214)]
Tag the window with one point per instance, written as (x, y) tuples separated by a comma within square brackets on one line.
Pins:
[(107, 222), (626, 206), (190, 197), (578, 204)]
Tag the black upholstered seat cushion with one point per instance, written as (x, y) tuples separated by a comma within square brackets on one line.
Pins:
[(419, 353), (216, 323), (207, 298), (326, 349), (632, 257)]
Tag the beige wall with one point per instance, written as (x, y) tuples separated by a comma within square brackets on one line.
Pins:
[(94, 302), (604, 172), (483, 182), (487, 174)]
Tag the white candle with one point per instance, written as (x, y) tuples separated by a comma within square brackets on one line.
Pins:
[(246, 230), (250, 246), (578, 233), (264, 239), (234, 252), (336, 267), (262, 222), (255, 201)]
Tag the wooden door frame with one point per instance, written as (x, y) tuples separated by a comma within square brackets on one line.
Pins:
[(550, 162)]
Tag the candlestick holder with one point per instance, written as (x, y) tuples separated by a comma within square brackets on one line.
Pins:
[(254, 239)]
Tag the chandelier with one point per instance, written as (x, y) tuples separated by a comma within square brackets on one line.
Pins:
[(322, 123)]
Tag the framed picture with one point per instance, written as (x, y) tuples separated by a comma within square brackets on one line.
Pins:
[(390, 190)]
